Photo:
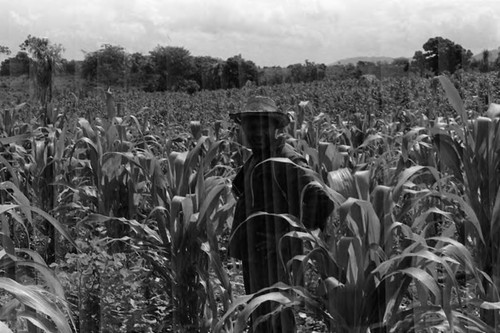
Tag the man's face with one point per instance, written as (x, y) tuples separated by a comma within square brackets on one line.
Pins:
[(259, 131)]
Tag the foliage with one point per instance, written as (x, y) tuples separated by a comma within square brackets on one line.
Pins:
[(4, 50), (237, 71), (34, 292), (41, 49), (107, 65), (142, 186), (443, 55), (308, 72), (471, 152), (207, 73), (45, 56), (18, 65), (172, 65)]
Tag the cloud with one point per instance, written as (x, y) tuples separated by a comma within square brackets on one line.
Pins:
[(269, 32)]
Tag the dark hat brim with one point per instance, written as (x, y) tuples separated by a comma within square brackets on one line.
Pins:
[(282, 119)]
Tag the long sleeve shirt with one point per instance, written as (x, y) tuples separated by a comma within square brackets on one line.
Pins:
[(275, 186)]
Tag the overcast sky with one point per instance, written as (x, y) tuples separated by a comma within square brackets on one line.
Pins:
[(268, 32)]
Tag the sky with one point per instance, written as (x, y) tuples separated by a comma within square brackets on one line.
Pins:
[(268, 32)]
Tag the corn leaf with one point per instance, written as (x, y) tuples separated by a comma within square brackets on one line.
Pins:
[(58, 226), (382, 204), (407, 174), (493, 110), (88, 131), (238, 302), (276, 297), (495, 215), (4, 328), (371, 138), (355, 263), (211, 201), (453, 97), (176, 229), (459, 252), (39, 321), (35, 299), (6, 164), (342, 181), (15, 139), (163, 224), (420, 220), (362, 180), (187, 211), (490, 305), (19, 197), (469, 212), (449, 153), (48, 275), (192, 159), (421, 277), (7, 243)]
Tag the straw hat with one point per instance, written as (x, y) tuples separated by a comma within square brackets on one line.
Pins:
[(263, 107)]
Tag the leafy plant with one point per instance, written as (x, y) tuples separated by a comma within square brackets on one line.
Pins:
[(470, 153), (30, 300)]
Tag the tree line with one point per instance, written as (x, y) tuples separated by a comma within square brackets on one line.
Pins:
[(165, 68), (172, 68)]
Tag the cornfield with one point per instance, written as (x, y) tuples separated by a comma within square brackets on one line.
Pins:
[(116, 209)]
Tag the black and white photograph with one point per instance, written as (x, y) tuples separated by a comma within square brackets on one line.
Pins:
[(240, 166)]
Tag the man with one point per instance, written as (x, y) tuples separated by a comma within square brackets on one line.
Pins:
[(272, 181)]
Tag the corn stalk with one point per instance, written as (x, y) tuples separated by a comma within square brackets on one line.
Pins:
[(470, 153)]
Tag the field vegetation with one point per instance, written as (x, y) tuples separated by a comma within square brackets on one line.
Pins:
[(116, 205)]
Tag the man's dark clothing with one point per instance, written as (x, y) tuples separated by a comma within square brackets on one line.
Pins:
[(273, 186)]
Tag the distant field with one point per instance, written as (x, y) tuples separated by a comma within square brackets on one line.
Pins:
[(140, 183)]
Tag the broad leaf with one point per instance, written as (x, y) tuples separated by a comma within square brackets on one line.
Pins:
[(36, 300), (454, 97)]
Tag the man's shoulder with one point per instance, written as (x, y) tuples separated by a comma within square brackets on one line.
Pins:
[(292, 154)]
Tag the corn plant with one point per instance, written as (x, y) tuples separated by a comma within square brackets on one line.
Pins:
[(373, 267), (30, 299), (470, 154), (103, 176), (198, 210), (363, 291), (188, 204), (47, 149)]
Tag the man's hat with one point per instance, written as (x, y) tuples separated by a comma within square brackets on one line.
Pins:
[(261, 106)]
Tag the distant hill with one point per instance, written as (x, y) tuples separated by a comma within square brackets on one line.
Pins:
[(493, 55), (355, 60)]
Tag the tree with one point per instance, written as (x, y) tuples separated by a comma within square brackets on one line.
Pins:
[(444, 55), (402, 62), (497, 61), (142, 72), (418, 63), (231, 72), (237, 71), (307, 72), (205, 72), (272, 75), (297, 73), (310, 71), (485, 61), (44, 57), (173, 65), (15, 66), (248, 72), (4, 50), (109, 65), (68, 66)]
